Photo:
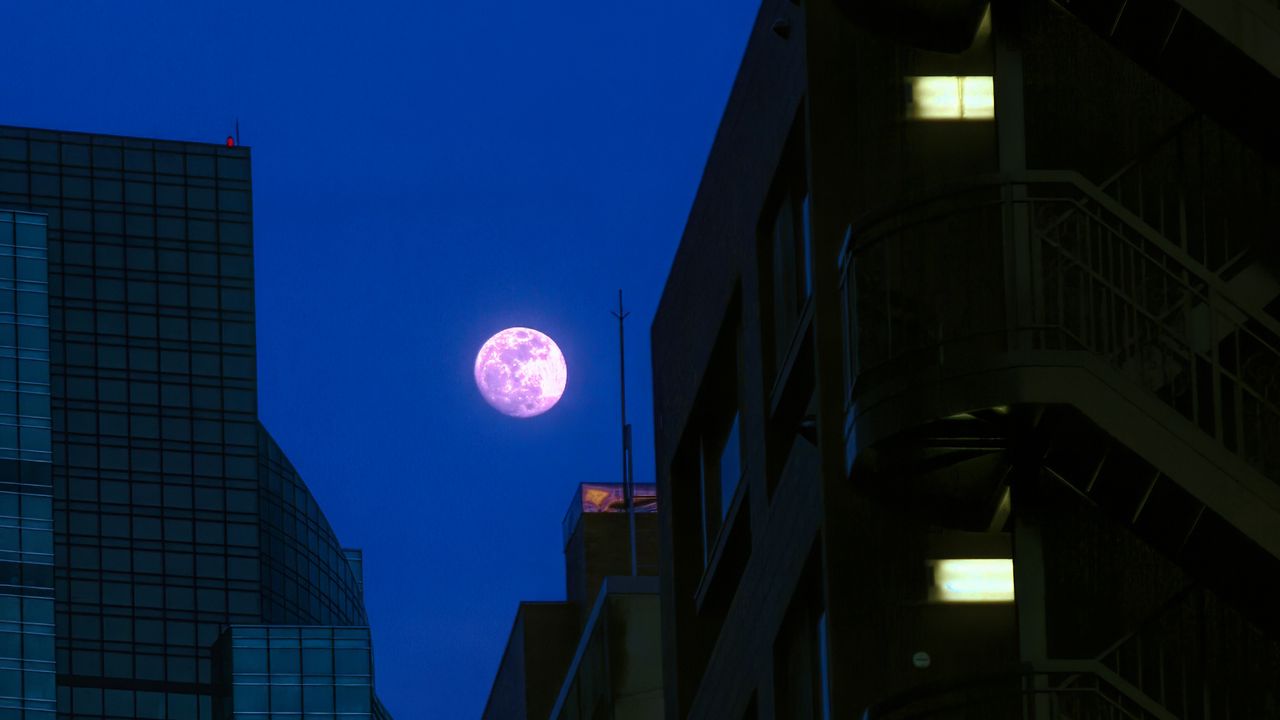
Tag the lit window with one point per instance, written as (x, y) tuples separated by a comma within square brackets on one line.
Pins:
[(950, 97), (986, 580)]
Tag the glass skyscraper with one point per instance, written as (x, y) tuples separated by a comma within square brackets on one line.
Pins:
[(152, 534)]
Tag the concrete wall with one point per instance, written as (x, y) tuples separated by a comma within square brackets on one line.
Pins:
[(543, 639), (599, 547), (715, 264)]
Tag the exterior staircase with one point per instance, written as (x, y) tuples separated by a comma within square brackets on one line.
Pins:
[(1123, 351), (1207, 50)]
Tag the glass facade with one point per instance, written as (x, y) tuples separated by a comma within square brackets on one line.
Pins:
[(24, 337), (306, 578), (174, 515), (355, 559), (26, 504), (280, 672)]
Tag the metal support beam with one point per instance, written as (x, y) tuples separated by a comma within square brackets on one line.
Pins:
[(1011, 143), (1029, 591)]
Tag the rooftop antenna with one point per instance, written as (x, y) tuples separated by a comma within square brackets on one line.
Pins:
[(237, 132), (628, 477)]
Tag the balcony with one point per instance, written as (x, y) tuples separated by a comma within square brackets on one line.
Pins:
[(1043, 290)]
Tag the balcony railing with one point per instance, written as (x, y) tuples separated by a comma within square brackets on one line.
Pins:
[(1047, 263), (1043, 690), (1194, 658), (1199, 657), (1186, 185)]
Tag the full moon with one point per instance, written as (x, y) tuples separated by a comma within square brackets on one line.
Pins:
[(521, 372)]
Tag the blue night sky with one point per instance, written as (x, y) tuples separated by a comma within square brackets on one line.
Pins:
[(425, 174)]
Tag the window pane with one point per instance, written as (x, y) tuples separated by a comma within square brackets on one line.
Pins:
[(351, 662), (317, 661), (251, 661), (286, 698), (784, 270), (730, 467), (709, 514), (355, 698), (251, 698), (317, 698), (805, 243), (284, 661)]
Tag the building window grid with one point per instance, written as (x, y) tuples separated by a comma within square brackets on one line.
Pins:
[(25, 408), (99, 297), (27, 679), (302, 580), (279, 672), (104, 288), (27, 656)]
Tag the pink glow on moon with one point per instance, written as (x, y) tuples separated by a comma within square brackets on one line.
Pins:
[(521, 372)]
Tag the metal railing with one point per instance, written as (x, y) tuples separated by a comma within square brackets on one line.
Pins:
[(1042, 690), (1046, 261), (1191, 185), (605, 498), (1195, 658), (1199, 657)]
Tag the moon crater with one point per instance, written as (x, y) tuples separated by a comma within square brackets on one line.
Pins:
[(521, 372)]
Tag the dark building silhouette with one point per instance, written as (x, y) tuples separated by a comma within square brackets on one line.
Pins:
[(967, 370), (598, 653), (162, 557)]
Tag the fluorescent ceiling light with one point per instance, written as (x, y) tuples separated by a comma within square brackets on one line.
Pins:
[(984, 580), (952, 97)]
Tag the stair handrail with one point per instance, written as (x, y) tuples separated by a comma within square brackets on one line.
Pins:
[(1202, 273), (1155, 616), (1203, 283), (1163, 139), (1011, 190), (1020, 671), (866, 222)]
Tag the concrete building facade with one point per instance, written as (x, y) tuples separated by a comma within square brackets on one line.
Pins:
[(967, 370)]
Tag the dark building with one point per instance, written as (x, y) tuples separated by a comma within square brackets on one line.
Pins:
[(598, 653), (967, 370), (162, 558)]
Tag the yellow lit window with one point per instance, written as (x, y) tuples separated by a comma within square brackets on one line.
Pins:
[(951, 97), (984, 580)]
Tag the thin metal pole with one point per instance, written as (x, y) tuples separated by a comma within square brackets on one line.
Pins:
[(628, 491)]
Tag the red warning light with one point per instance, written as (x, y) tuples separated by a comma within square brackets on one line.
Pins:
[(231, 142)]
